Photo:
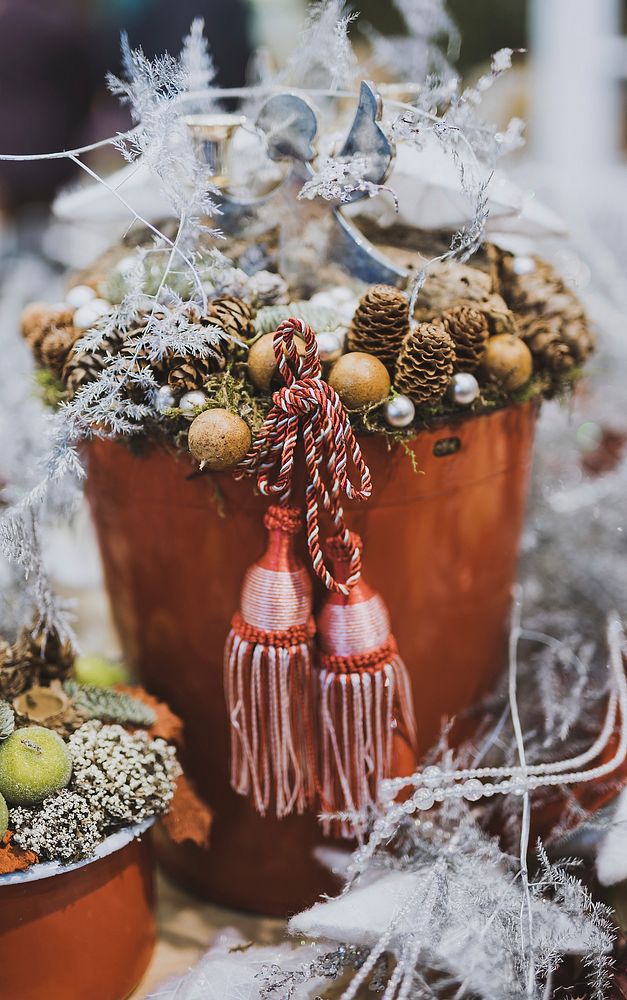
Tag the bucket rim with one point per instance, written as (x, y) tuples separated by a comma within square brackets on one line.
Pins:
[(110, 845)]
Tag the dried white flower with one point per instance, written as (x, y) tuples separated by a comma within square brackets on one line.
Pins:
[(125, 777), (65, 827)]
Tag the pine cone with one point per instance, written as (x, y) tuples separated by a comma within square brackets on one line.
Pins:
[(49, 333), (468, 329), (43, 649), (542, 294), (425, 364), (234, 316), (543, 338), (16, 673), (82, 367), (55, 347), (264, 288), (189, 373), (380, 324)]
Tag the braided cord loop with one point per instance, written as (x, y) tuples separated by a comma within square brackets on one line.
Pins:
[(308, 405)]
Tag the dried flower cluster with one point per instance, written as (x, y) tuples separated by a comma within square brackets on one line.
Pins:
[(118, 779), (125, 777), (63, 828)]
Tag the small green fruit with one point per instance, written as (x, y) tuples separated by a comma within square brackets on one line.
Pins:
[(100, 672), (4, 817), (34, 763)]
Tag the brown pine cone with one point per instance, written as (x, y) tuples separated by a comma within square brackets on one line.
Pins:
[(189, 373), (543, 338), (16, 673), (82, 367), (50, 658), (55, 347), (425, 364), (233, 315), (380, 324), (542, 294), (468, 329), (49, 333)]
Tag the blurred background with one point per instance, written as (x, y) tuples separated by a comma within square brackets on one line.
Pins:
[(570, 86)]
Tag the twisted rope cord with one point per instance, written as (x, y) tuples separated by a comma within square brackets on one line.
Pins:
[(307, 404)]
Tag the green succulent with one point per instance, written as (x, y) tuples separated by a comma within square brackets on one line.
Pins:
[(108, 705)]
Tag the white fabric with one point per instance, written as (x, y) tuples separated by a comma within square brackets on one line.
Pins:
[(227, 974), (611, 862)]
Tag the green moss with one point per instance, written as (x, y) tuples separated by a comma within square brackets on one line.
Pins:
[(51, 390)]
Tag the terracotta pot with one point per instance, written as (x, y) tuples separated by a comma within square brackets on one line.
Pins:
[(441, 547), (87, 930)]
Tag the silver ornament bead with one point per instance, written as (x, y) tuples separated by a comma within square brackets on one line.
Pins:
[(523, 265), (164, 399), (329, 345), (399, 411), (190, 401), (79, 296), (88, 314), (464, 388)]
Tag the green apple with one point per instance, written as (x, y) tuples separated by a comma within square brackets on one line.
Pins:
[(34, 763), (100, 672)]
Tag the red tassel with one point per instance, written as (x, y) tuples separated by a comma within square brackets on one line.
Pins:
[(267, 664), (364, 696)]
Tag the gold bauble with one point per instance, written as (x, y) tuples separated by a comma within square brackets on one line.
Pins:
[(218, 439), (262, 367), (508, 360), (360, 380)]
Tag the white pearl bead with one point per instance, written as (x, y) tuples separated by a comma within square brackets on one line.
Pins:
[(432, 775), (523, 265), (329, 345), (423, 798), (190, 401), (472, 789), (464, 388), (89, 314), (79, 295), (164, 399), (399, 411)]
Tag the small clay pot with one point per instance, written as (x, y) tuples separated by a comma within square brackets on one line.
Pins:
[(68, 932)]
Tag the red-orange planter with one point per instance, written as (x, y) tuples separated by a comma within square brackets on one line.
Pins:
[(79, 933), (441, 546)]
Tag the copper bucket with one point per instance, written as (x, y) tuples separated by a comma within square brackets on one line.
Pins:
[(441, 546), (81, 932)]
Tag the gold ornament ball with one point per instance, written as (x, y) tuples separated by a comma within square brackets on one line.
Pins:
[(360, 380), (508, 359), (218, 439), (262, 367)]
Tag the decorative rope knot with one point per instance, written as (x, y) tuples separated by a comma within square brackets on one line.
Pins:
[(307, 406)]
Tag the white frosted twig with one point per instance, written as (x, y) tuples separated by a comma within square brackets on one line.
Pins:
[(526, 906)]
